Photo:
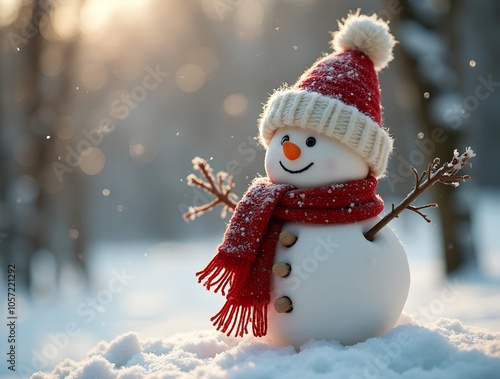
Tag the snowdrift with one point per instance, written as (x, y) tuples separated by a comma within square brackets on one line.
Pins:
[(442, 349)]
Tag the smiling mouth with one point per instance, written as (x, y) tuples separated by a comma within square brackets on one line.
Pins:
[(296, 171)]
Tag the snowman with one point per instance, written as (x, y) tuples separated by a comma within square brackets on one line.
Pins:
[(294, 264)]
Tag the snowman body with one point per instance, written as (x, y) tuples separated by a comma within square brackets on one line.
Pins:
[(341, 286)]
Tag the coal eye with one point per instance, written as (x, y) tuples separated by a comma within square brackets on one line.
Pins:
[(311, 141), (284, 139)]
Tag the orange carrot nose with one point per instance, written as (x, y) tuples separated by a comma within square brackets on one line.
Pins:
[(291, 150)]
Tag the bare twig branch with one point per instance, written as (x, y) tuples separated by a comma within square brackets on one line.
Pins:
[(446, 174), (417, 210), (431, 205), (219, 186)]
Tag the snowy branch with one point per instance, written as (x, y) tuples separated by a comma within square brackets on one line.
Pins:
[(445, 173), (219, 186)]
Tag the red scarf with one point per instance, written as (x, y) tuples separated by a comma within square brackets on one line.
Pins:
[(245, 257)]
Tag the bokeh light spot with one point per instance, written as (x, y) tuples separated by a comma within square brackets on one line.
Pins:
[(143, 149), (92, 162), (190, 78), (106, 192), (249, 14), (93, 76), (65, 129), (65, 20), (205, 58), (235, 104), (51, 60), (74, 234)]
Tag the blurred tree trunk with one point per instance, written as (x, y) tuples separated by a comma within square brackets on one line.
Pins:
[(36, 225), (48, 233), (430, 51), (32, 107)]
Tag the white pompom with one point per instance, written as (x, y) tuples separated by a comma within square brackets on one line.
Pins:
[(367, 34)]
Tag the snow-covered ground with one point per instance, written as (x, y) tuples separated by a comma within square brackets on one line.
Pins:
[(146, 304), (445, 349)]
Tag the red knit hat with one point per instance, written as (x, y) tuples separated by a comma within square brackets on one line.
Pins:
[(339, 96)]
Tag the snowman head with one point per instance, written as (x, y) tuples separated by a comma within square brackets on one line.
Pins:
[(337, 102), (307, 159)]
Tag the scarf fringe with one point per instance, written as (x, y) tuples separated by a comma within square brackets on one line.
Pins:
[(236, 315), (223, 271)]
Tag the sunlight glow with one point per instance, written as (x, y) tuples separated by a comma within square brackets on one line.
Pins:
[(10, 10), (96, 16)]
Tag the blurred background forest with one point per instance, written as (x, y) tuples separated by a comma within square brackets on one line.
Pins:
[(105, 102)]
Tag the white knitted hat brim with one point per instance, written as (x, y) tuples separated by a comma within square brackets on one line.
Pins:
[(331, 117)]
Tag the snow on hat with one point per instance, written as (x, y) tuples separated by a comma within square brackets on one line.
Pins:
[(339, 96)]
